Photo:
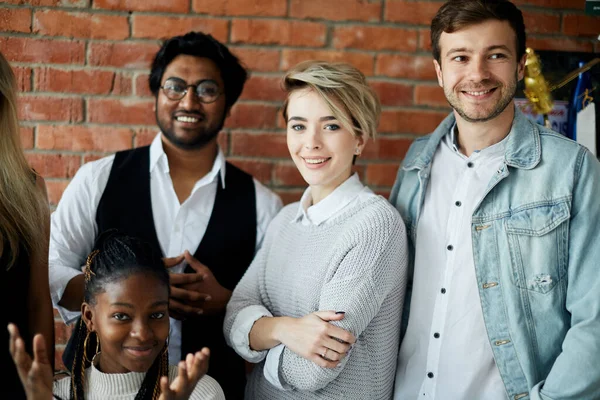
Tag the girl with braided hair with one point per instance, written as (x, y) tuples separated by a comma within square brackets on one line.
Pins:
[(122, 346)]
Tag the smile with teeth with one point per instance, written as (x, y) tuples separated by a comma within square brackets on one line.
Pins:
[(183, 118), (480, 93), (316, 160)]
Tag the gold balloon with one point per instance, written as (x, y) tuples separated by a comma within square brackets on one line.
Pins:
[(537, 89)]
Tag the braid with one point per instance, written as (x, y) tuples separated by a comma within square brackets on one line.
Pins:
[(79, 363), (150, 389)]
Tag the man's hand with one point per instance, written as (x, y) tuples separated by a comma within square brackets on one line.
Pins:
[(184, 303), (218, 296)]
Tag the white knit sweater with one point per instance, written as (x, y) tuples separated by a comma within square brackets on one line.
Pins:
[(356, 262), (101, 386)]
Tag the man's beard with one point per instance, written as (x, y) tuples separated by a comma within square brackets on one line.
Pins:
[(202, 137), (499, 107)]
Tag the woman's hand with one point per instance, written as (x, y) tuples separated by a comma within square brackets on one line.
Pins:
[(190, 372), (36, 375), (315, 339)]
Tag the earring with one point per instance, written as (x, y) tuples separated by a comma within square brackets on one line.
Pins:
[(357, 151), (85, 343)]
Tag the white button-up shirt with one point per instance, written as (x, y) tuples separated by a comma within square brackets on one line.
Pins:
[(446, 353), (179, 226)]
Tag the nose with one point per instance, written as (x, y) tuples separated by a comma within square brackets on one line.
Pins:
[(142, 331), (312, 139), (479, 69), (190, 100)]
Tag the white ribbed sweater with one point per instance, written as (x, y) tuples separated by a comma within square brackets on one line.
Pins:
[(356, 263), (101, 386)]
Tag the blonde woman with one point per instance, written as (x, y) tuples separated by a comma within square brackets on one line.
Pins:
[(319, 308), (24, 233)]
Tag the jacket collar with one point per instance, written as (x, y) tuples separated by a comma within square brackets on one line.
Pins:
[(523, 147)]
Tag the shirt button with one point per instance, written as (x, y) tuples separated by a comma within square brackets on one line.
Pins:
[(450, 247), (436, 335), (458, 204), (430, 374), (443, 290), (470, 164)]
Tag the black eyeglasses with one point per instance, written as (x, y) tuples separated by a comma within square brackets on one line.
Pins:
[(207, 91)]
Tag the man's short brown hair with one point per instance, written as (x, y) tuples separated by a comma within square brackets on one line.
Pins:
[(457, 14)]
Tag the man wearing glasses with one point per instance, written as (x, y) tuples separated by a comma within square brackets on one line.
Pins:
[(179, 194)]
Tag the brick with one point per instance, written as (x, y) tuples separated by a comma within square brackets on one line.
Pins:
[(289, 196), (144, 136), (83, 138), (52, 3), (164, 27), (26, 137), (261, 170), (362, 61), (375, 38), (80, 25), (267, 8), (425, 39), (430, 95), (62, 332), (336, 10), (381, 174), (174, 6), (244, 115), (392, 148), (122, 85), (393, 93), (55, 188), (420, 13), (263, 60), (536, 22), (286, 174), (42, 50), (50, 79), (266, 88), (259, 145), (281, 32), (124, 54), (92, 157), (44, 108), (23, 78), (413, 121), (569, 4), (401, 66), (58, 363), (142, 88), (114, 111), (15, 20), (559, 44), (581, 25), (54, 165)]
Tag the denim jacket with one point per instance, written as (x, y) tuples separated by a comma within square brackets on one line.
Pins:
[(536, 248)]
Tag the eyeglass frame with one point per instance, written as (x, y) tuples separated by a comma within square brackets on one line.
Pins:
[(186, 86)]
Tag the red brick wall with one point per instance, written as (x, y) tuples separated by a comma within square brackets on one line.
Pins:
[(82, 66)]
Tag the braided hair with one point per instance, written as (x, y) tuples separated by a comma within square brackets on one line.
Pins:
[(116, 257)]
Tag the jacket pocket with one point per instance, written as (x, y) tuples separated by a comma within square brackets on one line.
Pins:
[(538, 244)]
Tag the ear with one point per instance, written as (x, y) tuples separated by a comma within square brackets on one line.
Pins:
[(521, 67), (87, 316), (361, 142), (438, 72)]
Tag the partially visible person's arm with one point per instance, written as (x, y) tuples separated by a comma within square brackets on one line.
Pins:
[(72, 234), (40, 314), (575, 374), (268, 204)]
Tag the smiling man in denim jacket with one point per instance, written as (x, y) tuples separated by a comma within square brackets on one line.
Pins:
[(503, 218)]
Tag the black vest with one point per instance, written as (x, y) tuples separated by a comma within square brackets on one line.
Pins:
[(227, 247)]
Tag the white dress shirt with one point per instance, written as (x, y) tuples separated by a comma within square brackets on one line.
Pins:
[(178, 226), (349, 193), (446, 353)]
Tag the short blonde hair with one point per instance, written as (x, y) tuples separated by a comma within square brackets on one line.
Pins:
[(339, 84)]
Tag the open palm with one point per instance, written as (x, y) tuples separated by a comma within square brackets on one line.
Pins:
[(190, 372)]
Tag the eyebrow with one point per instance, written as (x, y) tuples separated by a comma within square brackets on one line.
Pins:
[(487, 49), (327, 118), (129, 305)]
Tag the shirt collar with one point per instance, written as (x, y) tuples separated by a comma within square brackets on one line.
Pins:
[(158, 159), (451, 141), (330, 205)]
